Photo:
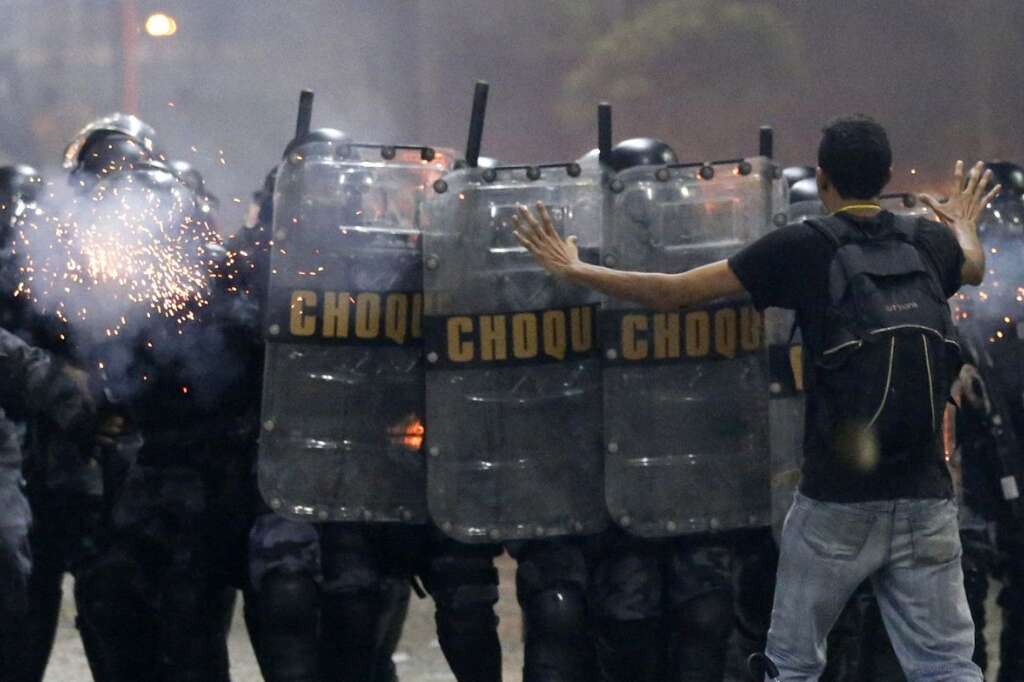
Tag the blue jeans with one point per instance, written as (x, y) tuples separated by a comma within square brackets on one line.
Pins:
[(911, 551)]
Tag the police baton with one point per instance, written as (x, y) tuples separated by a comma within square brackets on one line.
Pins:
[(476, 123), (305, 117), (604, 131)]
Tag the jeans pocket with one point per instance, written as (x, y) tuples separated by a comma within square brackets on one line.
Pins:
[(935, 532), (833, 532)]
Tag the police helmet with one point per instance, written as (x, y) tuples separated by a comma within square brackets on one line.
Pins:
[(331, 137), (1010, 176), (795, 174), (640, 151), (119, 124), (804, 190), (190, 176), (19, 181)]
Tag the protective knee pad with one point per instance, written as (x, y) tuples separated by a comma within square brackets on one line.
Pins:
[(287, 609), (699, 638), (557, 638)]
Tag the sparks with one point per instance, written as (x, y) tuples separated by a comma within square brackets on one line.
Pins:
[(125, 246)]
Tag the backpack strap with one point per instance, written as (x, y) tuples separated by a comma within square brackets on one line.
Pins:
[(830, 227), (906, 225)]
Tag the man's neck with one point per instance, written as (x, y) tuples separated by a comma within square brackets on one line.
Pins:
[(863, 208)]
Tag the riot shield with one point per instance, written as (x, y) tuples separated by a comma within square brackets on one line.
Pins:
[(342, 411), (686, 393), (513, 372)]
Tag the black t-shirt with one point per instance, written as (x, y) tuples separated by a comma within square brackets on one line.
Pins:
[(788, 268)]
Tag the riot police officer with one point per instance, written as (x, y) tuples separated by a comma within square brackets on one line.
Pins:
[(662, 608), (993, 320), (64, 482), (148, 598), (20, 186), (331, 596)]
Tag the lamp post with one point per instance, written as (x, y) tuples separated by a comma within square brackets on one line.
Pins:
[(129, 58)]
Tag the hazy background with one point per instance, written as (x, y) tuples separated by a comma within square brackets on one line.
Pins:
[(943, 75)]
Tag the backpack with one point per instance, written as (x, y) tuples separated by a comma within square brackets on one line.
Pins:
[(882, 377)]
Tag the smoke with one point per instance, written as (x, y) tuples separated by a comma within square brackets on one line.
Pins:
[(993, 312), (128, 268)]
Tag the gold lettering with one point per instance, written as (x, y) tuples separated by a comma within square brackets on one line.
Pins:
[(524, 336), (335, 315), (796, 362), (666, 335), (396, 312), (459, 350), (554, 333), (750, 328), (698, 334), (581, 321), (493, 338), (725, 332), (299, 323), (634, 348), (368, 316), (416, 326)]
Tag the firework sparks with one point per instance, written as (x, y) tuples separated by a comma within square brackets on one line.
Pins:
[(135, 243)]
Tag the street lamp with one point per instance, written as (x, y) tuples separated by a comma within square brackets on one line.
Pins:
[(160, 25)]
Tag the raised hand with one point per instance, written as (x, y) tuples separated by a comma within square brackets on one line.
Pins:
[(558, 256), (968, 199)]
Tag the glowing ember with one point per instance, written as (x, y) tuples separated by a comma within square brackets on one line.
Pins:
[(408, 433)]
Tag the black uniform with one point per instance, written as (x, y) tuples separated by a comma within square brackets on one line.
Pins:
[(331, 597)]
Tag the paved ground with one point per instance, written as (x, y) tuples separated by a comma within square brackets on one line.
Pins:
[(419, 658)]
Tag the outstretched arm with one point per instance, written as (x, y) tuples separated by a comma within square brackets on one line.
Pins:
[(653, 290), (961, 212)]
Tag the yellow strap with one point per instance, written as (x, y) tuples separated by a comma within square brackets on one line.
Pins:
[(853, 207)]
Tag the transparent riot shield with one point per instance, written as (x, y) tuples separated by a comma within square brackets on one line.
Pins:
[(686, 393), (343, 412), (513, 372)]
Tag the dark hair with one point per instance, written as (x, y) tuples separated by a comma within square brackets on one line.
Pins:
[(855, 155)]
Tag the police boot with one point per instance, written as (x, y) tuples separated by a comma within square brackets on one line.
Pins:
[(976, 588), (40, 624), (191, 646), (348, 635), (395, 594), (631, 650), (220, 613), (557, 644), (1011, 654), (287, 611), (464, 585), (117, 620), (699, 637)]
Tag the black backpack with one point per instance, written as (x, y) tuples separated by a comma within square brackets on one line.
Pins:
[(882, 377)]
